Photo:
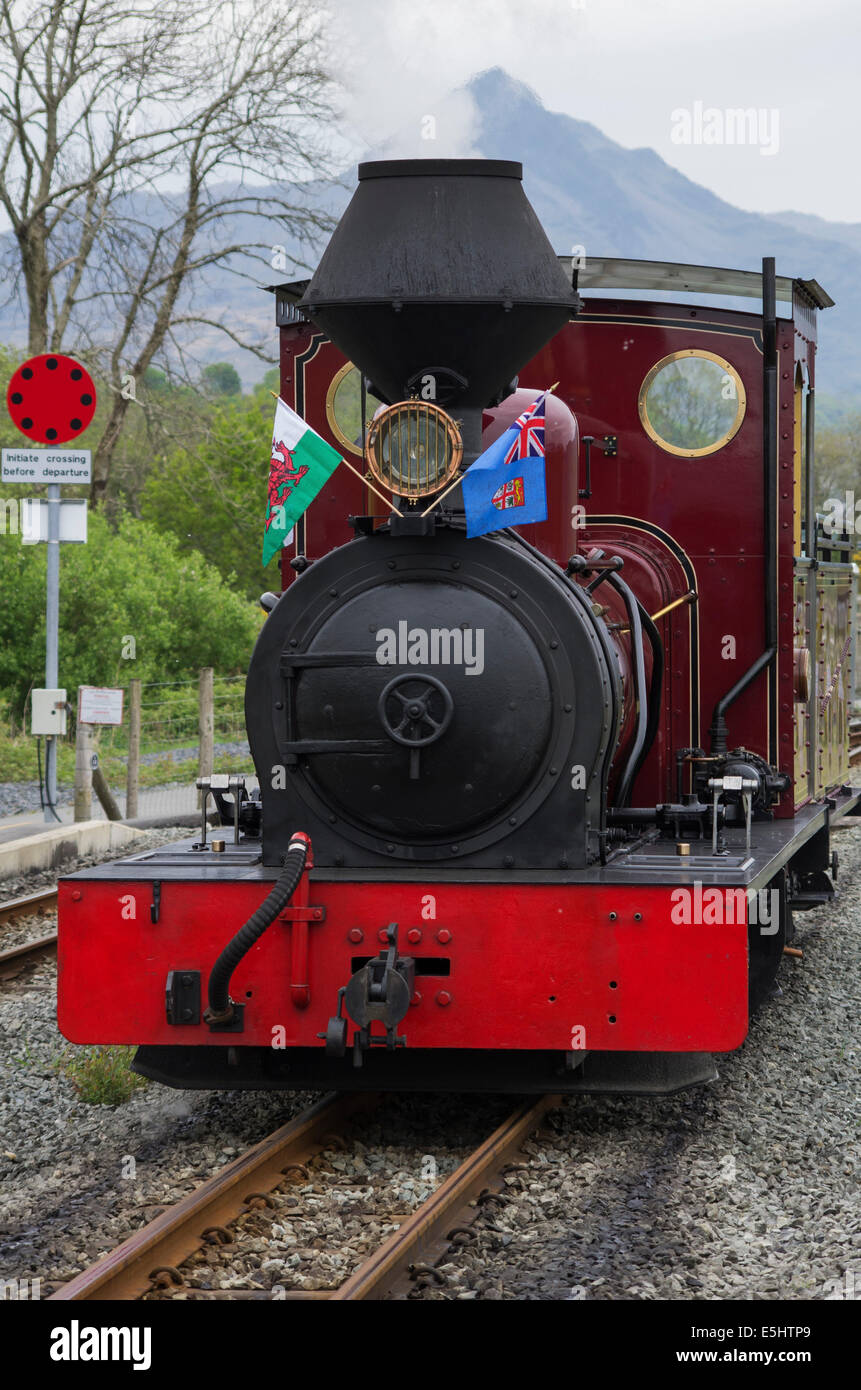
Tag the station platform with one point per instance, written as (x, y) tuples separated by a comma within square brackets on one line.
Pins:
[(39, 846)]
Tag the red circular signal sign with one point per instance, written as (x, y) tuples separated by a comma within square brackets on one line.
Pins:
[(51, 398)]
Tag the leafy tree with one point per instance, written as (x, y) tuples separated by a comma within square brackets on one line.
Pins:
[(838, 459), (271, 380), (128, 134), (133, 583), (221, 379), (213, 496), (155, 380)]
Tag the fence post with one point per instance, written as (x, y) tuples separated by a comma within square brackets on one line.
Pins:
[(103, 792), (134, 749), (83, 773), (206, 726)]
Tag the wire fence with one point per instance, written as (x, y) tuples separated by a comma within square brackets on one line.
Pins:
[(170, 717), (170, 756), (187, 728), (147, 766)]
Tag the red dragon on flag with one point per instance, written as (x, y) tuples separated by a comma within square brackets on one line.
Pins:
[(283, 477)]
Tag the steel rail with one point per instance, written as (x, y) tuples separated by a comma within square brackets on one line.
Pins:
[(158, 1248), (127, 1272), (13, 954), (422, 1238), (27, 906)]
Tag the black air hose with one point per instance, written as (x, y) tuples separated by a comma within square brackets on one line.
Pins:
[(221, 1007)]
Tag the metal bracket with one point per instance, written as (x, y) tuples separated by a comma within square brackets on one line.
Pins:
[(609, 446), (236, 1023), (182, 997), (155, 906), (302, 914)]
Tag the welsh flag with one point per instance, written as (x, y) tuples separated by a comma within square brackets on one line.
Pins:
[(300, 464)]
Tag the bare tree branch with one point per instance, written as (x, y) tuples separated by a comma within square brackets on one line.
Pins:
[(128, 134)]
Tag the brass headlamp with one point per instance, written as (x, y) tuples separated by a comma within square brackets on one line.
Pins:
[(414, 449)]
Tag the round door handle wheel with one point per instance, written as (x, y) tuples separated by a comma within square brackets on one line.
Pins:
[(415, 710)]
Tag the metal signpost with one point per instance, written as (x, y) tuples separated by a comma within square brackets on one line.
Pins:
[(51, 398), (52, 466)]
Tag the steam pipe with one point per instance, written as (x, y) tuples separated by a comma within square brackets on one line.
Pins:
[(768, 659), (810, 546), (769, 446), (809, 454), (655, 686), (623, 790), (718, 732)]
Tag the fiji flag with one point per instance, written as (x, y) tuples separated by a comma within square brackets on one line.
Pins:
[(506, 484)]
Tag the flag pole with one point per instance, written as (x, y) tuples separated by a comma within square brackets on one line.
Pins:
[(460, 476), (388, 501), (445, 494)]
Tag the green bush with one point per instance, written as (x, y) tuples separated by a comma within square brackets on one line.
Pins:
[(132, 603)]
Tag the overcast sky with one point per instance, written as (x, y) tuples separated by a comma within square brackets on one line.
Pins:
[(633, 68)]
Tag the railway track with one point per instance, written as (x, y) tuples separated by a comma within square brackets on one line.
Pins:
[(14, 958), (152, 1257)]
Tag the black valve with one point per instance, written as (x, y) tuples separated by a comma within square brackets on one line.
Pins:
[(335, 1035), (379, 992)]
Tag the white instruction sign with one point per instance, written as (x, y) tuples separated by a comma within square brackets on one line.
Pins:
[(47, 465), (99, 705)]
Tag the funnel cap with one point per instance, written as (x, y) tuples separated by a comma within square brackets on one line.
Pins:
[(440, 266), (441, 168)]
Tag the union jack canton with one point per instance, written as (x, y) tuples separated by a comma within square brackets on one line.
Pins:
[(530, 434)]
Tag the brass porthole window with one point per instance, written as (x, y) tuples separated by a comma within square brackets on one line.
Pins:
[(344, 408), (692, 403)]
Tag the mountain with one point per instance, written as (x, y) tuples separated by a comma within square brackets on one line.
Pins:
[(589, 191), (847, 233)]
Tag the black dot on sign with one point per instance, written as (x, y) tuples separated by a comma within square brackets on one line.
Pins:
[(26, 373), (17, 398), (74, 424), (50, 434), (27, 424), (86, 399), (51, 364), (76, 373)]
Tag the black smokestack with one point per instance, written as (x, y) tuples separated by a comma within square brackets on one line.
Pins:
[(440, 268)]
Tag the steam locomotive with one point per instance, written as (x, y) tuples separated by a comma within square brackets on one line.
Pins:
[(534, 810)]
